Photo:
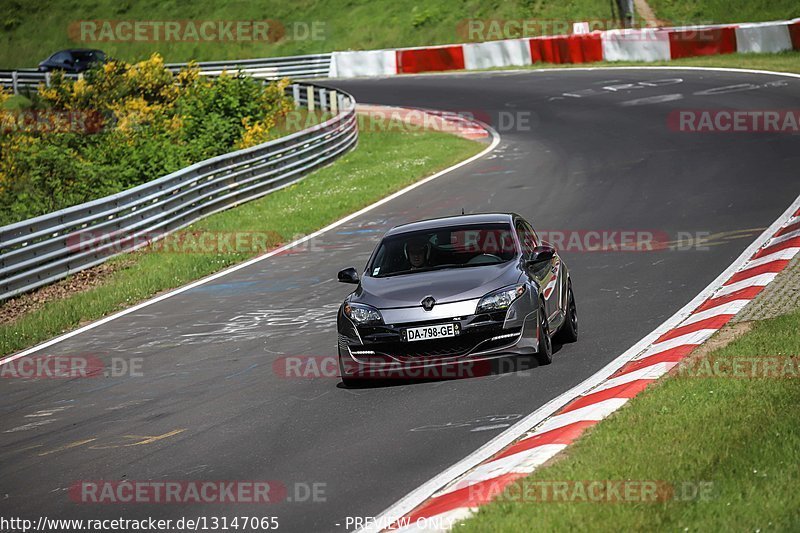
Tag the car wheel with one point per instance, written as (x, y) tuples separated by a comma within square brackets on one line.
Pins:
[(569, 330), (545, 354), (351, 382)]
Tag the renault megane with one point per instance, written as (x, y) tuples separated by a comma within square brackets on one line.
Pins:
[(452, 290)]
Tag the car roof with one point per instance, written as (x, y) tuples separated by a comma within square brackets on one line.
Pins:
[(76, 51), (457, 220)]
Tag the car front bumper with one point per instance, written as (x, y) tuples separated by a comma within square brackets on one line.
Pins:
[(376, 350)]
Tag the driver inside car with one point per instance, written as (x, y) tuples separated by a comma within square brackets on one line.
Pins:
[(418, 253)]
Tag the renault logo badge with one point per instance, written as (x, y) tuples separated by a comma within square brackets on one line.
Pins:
[(428, 303)]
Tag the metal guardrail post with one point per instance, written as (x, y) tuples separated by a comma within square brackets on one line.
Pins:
[(334, 103), (310, 96), (323, 104), (296, 95), (14, 82)]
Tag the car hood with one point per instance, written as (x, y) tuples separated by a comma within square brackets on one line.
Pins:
[(451, 285)]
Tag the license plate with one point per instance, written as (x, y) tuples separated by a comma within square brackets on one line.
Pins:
[(426, 333)]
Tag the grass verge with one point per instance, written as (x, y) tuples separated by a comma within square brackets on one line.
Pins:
[(34, 30), (386, 160), (715, 11), (738, 438)]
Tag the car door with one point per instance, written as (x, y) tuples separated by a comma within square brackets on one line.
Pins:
[(546, 274), (60, 60)]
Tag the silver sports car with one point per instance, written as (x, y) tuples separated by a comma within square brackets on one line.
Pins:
[(455, 290)]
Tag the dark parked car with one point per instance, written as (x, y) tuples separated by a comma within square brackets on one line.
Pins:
[(452, 290), (72, 61)]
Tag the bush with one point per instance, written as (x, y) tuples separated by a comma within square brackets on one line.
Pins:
[(150, 122)]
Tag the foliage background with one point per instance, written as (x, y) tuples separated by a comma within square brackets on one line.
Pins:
[(122, 125)]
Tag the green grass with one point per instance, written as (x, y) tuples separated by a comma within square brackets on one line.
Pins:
[(711, 11), (297, 120), (30, 30), (741, 435), (386, 160), (16, 102)]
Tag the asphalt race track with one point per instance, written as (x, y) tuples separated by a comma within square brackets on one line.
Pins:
[(211, 405)]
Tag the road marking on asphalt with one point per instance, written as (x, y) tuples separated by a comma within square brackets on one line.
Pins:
[(48, 412), (140, 440), (489, 428), (495, 142), (29, 426), (652, 100), (152, 439), (546, 418), (68, 446), (26, 448)]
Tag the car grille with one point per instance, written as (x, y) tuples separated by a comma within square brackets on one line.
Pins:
[(343, 342), (451, 347)]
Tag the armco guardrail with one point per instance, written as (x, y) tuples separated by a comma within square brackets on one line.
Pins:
[(44, 249), (18, 80), (294, 67)]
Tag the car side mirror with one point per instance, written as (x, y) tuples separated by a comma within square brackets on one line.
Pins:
[(541, 254), (348, 275)]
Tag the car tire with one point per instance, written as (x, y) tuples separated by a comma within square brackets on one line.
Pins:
[(569, 330), (351, 382), (545, 354)]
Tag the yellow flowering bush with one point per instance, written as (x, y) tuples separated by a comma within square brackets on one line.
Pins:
[(255, 133), (5, 94), (153, 122)]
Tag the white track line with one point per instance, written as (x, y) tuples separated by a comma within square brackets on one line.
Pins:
[(787, 237), (650, 372), (784, 255), (730, 308), (761, 280), (580, 69), (170, 294), (694, 338), (523, 462), (418, 496)]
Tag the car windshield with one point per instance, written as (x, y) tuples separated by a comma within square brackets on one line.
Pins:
[(442, 248), (88, 56)]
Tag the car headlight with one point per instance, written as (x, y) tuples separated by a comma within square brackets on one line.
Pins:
[(362, 314), (499, 300)]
